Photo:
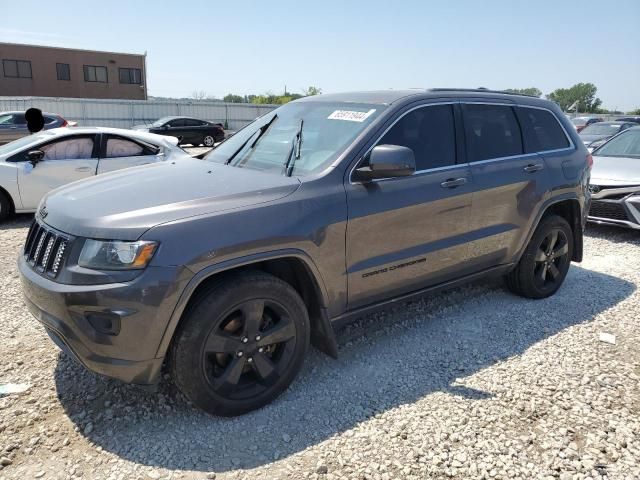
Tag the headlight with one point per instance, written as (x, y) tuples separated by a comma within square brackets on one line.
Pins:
[(116, 255)]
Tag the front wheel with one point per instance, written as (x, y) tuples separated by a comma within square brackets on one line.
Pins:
[(209, 141), (241, 344), (545, 262)]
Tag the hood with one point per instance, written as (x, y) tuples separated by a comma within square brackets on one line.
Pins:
[(587, 139), (124, 204), (615, 171)]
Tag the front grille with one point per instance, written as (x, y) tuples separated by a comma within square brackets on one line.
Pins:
[(612, 210), (45, 249)]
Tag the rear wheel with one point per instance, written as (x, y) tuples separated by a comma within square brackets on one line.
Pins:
[(546, 260), (241, 344), (5, 206), (209, 141)]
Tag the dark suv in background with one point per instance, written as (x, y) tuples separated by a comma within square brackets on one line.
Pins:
[(225, 270)]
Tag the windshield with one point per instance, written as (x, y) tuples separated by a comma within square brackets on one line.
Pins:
[(627, 144), (602, 129), (327, 129), (5, 119), (161, 121), (23, 142), (579, 121)]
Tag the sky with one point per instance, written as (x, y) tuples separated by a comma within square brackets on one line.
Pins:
[(246, 47)]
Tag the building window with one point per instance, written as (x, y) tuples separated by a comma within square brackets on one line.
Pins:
[(17, 68), (63, 71), (95, 74), (131, 75)]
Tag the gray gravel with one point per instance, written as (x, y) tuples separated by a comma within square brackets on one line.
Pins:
[(475, 383)]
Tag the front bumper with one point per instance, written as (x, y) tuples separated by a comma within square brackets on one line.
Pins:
[(618, 209), (112, 329)]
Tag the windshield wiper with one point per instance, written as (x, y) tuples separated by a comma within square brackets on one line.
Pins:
[(294, 153), (263, 129)]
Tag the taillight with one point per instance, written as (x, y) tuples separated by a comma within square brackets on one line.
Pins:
[(64, 123), (589, 160)]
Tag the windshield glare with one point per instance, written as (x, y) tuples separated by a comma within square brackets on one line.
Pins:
[(160, 122), (601, 129), (328, 129), (579, 121), (627, 144)]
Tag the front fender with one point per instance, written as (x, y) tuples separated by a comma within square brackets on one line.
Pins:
[(231, 264)]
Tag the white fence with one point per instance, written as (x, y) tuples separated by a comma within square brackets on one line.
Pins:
[(126, 113)]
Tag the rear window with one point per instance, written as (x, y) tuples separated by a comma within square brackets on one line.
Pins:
[(602, 129), (541, 130), (491, 131)]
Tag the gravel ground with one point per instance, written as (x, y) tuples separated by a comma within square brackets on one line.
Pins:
[(474, 383)]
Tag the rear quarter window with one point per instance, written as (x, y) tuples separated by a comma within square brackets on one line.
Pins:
[(541, 131)]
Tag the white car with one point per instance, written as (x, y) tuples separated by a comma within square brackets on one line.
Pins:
[(32, 166)]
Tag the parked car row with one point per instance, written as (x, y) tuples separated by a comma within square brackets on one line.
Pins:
[(13, 125)]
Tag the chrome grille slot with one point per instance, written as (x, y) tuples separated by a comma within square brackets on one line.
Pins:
[(45, 249)]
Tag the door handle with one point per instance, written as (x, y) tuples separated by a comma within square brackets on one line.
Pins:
[(533, 167), (83, 169), (453, 182)]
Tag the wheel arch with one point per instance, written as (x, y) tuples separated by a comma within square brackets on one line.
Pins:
[(292, 266), (12, 204), (569, 208)]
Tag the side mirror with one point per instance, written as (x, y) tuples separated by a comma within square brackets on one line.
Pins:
[(35, 156), (387, 161)]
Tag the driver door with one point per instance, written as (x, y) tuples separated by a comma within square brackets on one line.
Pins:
[(65, 160)]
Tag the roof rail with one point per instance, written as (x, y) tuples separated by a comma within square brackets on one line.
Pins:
[(480, 90)]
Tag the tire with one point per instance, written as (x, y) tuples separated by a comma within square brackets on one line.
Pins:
[(208, 141), (546, 260), (223, 358), (5, 206)]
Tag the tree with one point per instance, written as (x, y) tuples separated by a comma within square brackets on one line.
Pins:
[(635, 112), (199, 95), (232, 98), (583, 95), (310, 91), (536, 92)]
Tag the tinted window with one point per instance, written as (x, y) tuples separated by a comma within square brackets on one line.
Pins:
[(429, 132), (491, 131), (62, 71), (176, 123), (190, 122), (541, 130), (19, 119)]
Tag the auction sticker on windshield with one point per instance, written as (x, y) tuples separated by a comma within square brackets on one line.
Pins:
[(351, 115)]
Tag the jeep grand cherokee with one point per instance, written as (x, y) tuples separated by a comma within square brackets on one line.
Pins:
[(225, 270)]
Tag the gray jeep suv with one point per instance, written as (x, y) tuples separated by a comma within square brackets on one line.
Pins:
[(224, 270)]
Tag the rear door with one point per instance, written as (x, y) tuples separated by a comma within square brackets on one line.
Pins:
[(409, 232), (65, 160), (510, 183), (176, 128), (118, 152)]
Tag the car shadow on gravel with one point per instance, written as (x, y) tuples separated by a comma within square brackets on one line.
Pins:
[(387, 360), (613, 234)]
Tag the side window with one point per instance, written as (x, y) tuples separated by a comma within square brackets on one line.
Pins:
[(540, 130), (119, 147), (69, 149), (491, 131), (429, 132), (176, 123), (190, 122), (19, 119)]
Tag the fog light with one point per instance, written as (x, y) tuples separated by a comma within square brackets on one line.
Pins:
[(103, 322)]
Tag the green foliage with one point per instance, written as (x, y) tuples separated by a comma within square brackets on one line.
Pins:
[(231, 98), (269, 98), (635, 112), (582, 93), (536, 92)]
